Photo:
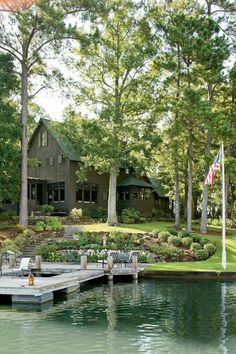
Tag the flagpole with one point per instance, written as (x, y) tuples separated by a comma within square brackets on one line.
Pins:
[(223, 209)]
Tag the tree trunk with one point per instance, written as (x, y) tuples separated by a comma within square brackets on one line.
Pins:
[(203, 227), (24, 120), (190, 179), (112, 216), (177, 199)]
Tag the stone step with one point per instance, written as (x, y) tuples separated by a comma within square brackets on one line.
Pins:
[(70, 230)]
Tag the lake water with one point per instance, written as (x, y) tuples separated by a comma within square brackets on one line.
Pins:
[(151, 316)]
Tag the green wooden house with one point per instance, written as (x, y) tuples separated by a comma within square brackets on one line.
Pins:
[(53, 180)]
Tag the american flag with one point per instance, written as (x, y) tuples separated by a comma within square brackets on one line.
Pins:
[(215, 167)]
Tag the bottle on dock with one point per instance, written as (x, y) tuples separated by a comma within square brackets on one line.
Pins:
[(31, 279)]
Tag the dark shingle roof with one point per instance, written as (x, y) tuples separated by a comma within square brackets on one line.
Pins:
[(132, 181), (156, 185)]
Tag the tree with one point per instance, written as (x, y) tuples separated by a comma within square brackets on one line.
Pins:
[(9, 132), (113, 66), (213, 78), (28, 35)]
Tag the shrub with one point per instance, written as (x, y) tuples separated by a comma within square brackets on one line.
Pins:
[(47, 252), (201, 255), (101, 213), (163, 236), (76, 213), (47, 209), (195, 246), (174, 240), (160, 250), (53, 224), (86, 214), (155, 232), (157, 214), (121, 240), (130, 216), (211, 249), (173, 231), (39, 226), (196, 238), (7, 215), (9, 245), (186, 241), (184, 233), (143, 258)]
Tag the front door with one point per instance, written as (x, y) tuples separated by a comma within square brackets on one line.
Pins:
[(40, 194)]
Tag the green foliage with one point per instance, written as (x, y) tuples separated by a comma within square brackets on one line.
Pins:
[(9, 132), (210, 247), (155, 232), (130, 216), (53, 224), (40, 226), (173, 231), (195, 246), (186, 241), (100, 213), (201, 255), (143, 258), (48, 252), (184, 233), (21, 240), (174, 240), (163, 236), (10, 245), (120, 240), (47, 209), (7, 215)]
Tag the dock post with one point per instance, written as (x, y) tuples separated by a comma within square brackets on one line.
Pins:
[(110, 263), (135, 267), (38, 262), (110, 267), (12, 260), (83, 262), (135, 262)]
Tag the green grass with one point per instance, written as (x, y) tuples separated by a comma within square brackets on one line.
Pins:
[(104, 227), (211, 264)]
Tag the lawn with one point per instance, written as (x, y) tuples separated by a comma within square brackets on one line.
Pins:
[(212, 264)]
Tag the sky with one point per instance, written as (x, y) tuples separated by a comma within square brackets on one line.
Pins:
[(52, 103)]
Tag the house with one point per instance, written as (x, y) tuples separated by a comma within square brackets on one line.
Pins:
[(53, 180)]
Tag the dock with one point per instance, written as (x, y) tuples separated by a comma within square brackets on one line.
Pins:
[(55, 277)]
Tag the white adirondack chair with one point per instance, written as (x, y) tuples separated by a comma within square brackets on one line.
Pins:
[(24, 265)]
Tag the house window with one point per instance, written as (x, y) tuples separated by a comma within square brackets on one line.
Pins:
[(141, 193), (124, 193), (87, 193), (32, 191), (43, 138), (55, 192), (59, 159), (50, 161)]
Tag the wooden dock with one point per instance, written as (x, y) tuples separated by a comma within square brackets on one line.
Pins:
[(60, 278)]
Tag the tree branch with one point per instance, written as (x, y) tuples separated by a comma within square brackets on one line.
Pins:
[(40, 89)]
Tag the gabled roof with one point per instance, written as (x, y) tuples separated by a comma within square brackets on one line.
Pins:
[(132, 181), (64, 143), (156, 185)]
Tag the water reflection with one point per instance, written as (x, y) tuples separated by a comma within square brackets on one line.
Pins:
[(152, 316)]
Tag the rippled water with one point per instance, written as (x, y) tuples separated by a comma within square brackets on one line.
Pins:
[(152, 316)]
